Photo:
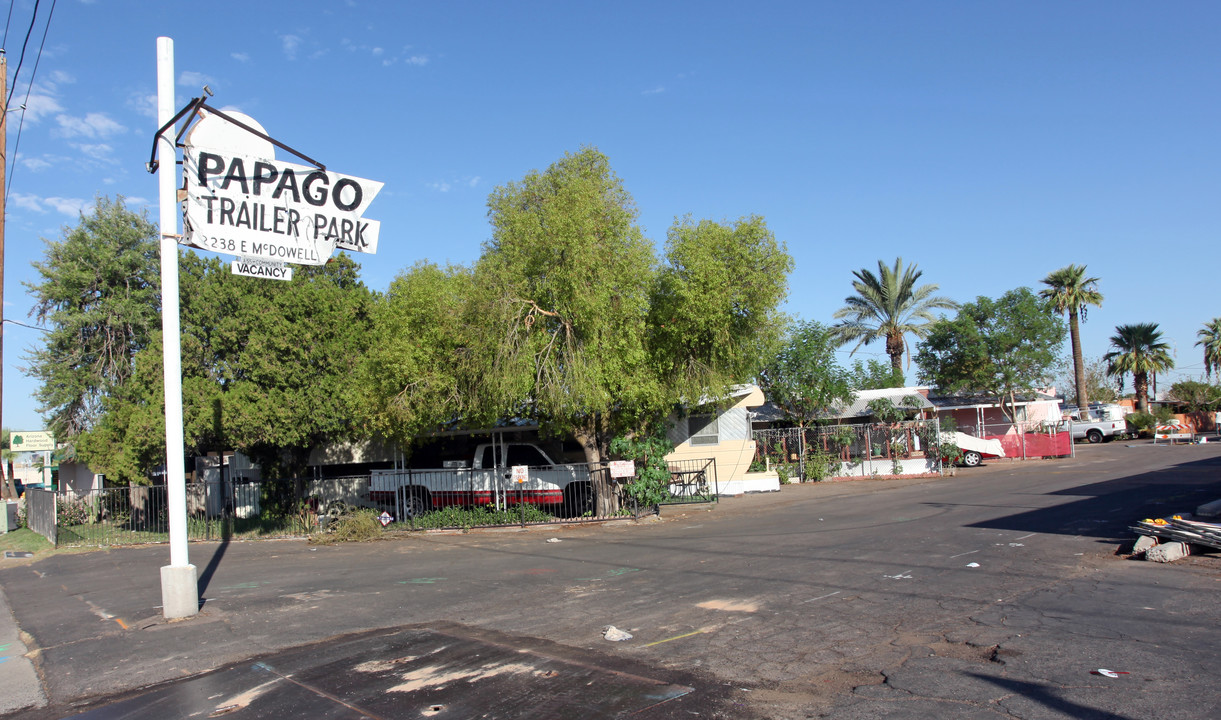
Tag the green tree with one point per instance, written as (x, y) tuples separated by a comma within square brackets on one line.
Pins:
[(1071, 293), (569, 318), (803, 379), (1138, 349), (98, 294), (420, 375), (889, 306), (713, 316), (1210, 340), (875, 375), (996, 347), (565, 283), (267, 370)]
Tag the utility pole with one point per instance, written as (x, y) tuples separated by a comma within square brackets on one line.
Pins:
[(8, 490)]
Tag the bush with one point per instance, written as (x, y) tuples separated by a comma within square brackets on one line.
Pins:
[(71, 512), (651, 485), (357, 526), (459, 517)]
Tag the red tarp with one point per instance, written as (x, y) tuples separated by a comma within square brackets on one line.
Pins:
[(1037, 444)]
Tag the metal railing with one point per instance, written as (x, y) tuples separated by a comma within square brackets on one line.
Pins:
[(823, 451), (414, 500)]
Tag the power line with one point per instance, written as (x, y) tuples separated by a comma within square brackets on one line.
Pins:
[(21, 59), (29, 88), (7, 22), (32, 327)]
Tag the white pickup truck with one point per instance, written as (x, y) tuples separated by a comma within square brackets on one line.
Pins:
[(1106, 423), (486, 479)]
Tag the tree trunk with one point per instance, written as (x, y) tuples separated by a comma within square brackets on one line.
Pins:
[(1074, 332), (894, 348), (1140, 383), (8, 489), (591, 436)]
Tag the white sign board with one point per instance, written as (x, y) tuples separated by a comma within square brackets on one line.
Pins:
[(261, 269), (276, 211), (385, 518), (622, 468), (31, 441), (521, 473)]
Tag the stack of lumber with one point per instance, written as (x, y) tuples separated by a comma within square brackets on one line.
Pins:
[(1178, 529)]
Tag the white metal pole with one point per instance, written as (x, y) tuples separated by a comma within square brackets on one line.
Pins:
[(179, 591)]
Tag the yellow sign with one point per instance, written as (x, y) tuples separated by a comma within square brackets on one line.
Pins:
[(31, 441)]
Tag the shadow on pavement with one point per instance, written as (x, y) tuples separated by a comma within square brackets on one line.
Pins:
[(1176, 489)]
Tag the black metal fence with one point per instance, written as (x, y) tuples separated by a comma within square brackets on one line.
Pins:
[(824, 451), (410, 500)]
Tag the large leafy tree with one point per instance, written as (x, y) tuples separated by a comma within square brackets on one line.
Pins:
[(803, 379), (425, 339), (565, 282), (98, 293), (1071, 293), (570, 318), (267, 370), (1210, 340), (1138, 349), (999, 347), (889, 306)]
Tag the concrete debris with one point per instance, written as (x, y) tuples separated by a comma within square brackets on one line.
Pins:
[(614, 634), (1143, 543), (1168, 552), (1177, 530)]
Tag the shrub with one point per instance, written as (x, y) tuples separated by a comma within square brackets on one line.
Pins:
[(651, 485), (358, 526), (71, 512)]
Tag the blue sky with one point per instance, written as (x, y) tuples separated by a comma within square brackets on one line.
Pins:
[(990, 143)]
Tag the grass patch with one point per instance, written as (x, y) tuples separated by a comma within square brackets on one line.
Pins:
[(24, 539)]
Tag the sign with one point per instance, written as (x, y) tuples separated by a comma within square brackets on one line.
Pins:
[(385, 518), (262, 269), (521, 473), (263, 209), (622, 468), (31, 441)]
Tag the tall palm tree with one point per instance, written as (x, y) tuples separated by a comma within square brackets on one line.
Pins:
[(1138, 349), (1210, 338), (1071, 292), (889, 306)]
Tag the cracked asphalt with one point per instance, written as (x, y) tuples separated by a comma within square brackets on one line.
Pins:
[(994, 593)]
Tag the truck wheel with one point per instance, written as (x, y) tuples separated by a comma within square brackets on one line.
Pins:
[(1094, 436), (971, 458), (578, 500), (413, 501)]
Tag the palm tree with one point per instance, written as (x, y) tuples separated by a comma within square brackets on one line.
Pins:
[(889, 306), (1210, 338), (1138, 349), (1071, 292)]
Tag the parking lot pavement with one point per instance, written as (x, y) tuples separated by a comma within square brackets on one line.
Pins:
[(993, 593), (17, 675)]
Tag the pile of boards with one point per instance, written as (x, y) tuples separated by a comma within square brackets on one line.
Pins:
[(1181, 529)]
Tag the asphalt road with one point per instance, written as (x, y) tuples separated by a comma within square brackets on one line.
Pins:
[(993, 593)]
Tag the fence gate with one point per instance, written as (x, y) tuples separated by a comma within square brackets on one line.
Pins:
[(40, 512)]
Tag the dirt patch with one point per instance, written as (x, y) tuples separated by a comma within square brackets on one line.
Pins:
[(730, 605)]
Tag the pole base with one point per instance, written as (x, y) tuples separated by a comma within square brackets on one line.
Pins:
[(179, 591)]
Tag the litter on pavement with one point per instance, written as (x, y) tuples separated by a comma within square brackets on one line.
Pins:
[(614, 634)]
